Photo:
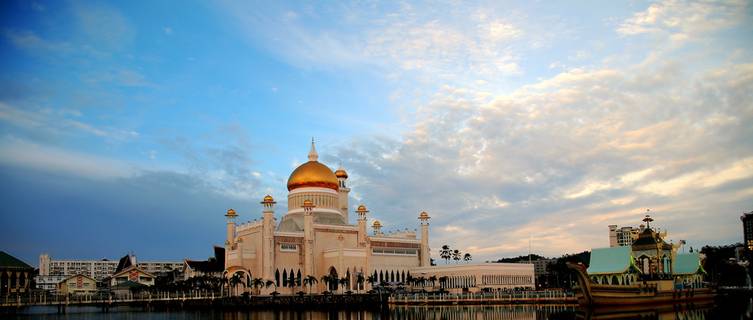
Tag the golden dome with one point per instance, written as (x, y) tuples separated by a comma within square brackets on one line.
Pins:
[(340, 173), (308, 203), (312, 174), (362, 208), (376, 224), (230, 213), (423, 216)]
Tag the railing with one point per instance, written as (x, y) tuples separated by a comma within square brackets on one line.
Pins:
[(41, 299)]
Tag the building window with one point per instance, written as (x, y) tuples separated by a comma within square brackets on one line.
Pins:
[(288, 247)]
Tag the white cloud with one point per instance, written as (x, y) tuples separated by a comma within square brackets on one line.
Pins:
[(684, 19), (22, 153)]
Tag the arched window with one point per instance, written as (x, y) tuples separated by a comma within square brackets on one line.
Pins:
[(284, 278), (277, 277)]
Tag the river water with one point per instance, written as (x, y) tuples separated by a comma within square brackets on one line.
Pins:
[(741, 309)]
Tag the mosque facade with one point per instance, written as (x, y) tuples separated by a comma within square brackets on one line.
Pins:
[(317, 237)]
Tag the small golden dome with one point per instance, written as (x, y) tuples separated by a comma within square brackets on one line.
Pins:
[(308, 203), (340, 173), (230, 213), (423, 216), (361, 208), (376, 224), (268, 199)]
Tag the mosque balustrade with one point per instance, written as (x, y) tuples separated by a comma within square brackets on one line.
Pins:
[(248, 225)]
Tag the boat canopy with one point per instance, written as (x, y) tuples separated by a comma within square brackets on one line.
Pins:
[(688, 263), (615, 260)]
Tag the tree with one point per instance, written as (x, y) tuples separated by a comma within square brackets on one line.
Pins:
[(270, 283), (467, 257), (433, 280), (257, 283), (371, 280), (327, 279), (344, 281), (456, 255), (309, 281), (235, 280), (445, 253), (359, 282)]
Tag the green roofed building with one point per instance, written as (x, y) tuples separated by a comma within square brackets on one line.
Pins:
[(689, 270), (613, 265), (649, 257), (15, 275)]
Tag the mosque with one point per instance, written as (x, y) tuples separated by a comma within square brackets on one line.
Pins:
[(316, 237)]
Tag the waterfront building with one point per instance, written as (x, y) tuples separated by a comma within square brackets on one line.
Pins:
[(648, 256), (132, 274), (747, 219), (214, 266), (77, 284), (317, 238), (476, 277), (539, 265), (52, 271), (15, 275)]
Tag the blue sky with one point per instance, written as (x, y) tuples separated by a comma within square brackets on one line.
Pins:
[(133, 126)]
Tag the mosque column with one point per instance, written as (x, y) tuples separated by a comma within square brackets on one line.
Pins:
[(425, 256), (230, 216), (340, 256), (362, 225), (268, 229), (342, 192), (308, 238)]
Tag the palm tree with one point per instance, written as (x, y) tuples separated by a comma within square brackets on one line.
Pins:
[(456, 255), (359, 282), (344, 281), (433, 280), (235, 280), (467, 257), (326, 279), (258, 283), (443, 281), (270, 283), (371, 280), (445, 253), (309, 281)]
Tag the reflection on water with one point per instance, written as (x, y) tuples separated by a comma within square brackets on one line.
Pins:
[(729, 309), (524, 312)]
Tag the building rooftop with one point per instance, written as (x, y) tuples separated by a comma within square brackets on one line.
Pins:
[(10, 262)]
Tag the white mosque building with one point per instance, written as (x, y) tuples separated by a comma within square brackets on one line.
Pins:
[(316, 238)]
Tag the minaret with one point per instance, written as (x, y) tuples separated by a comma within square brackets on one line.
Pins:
[(230, 242), (377, 227), (268, 237), (362, 225), (343, 191), (308, 237), (231, 215), (425, 256)]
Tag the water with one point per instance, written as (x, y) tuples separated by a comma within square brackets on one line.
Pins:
[(741, 309)]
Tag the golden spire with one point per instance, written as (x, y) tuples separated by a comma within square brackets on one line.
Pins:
[(313, 156)]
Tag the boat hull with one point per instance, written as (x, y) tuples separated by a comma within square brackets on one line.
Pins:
[(657, 292)]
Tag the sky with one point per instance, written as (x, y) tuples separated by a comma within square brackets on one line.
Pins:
[(132, 126)]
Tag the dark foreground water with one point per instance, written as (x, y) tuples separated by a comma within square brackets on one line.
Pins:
[(737, 309)]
